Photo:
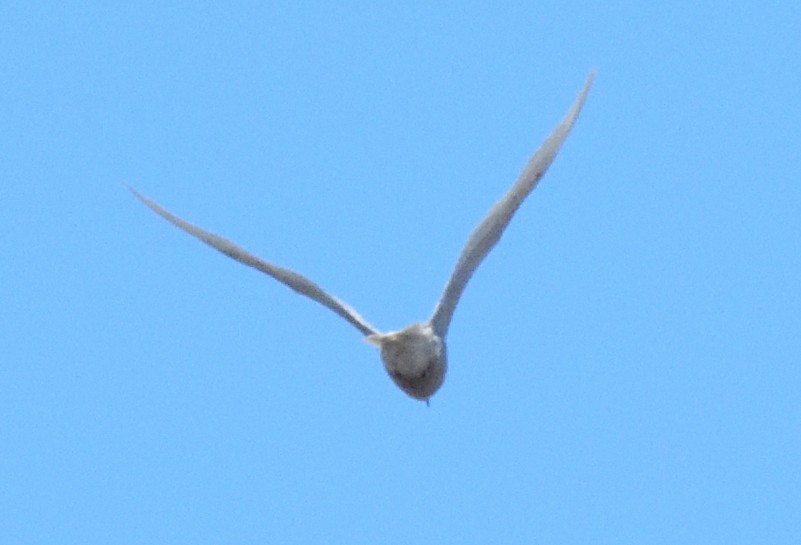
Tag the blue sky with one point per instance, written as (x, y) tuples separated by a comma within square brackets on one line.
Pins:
[(624, 367)]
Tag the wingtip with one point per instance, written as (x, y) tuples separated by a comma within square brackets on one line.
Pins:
[(578, 104), (136, 194), (587, 85), (153, 206)]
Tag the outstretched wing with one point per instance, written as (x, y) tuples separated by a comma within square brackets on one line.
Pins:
[(299, 283), (486, 235)]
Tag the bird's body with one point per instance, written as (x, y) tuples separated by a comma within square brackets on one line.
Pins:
[(414, 357)]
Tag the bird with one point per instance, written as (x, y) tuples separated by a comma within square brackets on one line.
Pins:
[(415, 357)]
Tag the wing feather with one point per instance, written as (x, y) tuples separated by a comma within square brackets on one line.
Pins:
[(489, 231), (297, 282)]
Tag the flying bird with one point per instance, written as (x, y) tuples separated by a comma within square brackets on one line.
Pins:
[(415, 356)]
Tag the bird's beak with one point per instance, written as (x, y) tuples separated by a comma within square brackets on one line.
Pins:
[(374, 339)]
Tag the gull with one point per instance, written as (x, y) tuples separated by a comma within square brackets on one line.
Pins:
[(415, 356)]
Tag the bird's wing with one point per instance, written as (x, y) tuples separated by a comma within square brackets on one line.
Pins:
[(299, 283), (486, 235)]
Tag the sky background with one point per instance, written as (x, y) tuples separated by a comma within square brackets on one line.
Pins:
[(624, 367)]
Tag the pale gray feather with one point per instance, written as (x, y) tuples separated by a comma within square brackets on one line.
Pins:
[(489, 231), (297, 282), (415, 357)]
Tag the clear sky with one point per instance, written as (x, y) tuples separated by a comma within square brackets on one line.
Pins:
[(624, 367)]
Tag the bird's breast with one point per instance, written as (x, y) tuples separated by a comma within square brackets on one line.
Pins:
[(415, 359)]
